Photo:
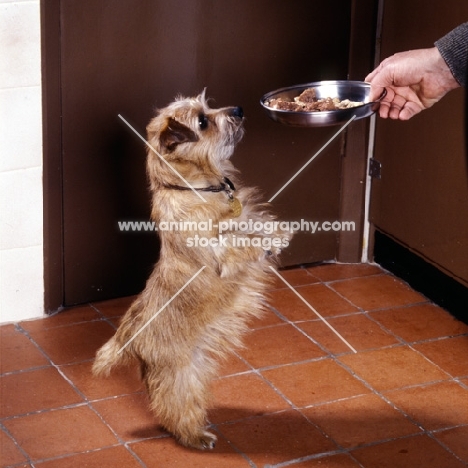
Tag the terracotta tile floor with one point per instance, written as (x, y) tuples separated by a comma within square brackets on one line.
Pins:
[(295, 396)]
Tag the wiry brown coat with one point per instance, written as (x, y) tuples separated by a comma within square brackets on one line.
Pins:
[(178, 351)]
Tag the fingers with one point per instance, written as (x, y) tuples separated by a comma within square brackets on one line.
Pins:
[(398, 108), (409, 110), (384, 110)]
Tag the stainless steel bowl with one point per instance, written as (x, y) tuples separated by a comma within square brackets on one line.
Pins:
[(341, 89)]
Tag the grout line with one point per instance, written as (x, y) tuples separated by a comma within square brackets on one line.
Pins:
[(116, 435), (351, 278), (114, 397), (315, 311), (293, 324), (15, 442), (448, 449), (44, 410), (451, 377), (23, 371), (435, 431), (65, 325), (63, 456), (215, 427), (413, 386), (290, 364), (104, 318), (316, 319), (237, 374), (328, 282), (459, 381), (307, 458), (145, 439), (332, 402)]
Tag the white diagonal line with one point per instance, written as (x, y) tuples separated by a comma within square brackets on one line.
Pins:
[(161, 309), (160, 157), (313, 310), (312, 158)]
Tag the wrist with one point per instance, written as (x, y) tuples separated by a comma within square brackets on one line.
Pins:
[(453, 47), (439, 67), (446, 74)]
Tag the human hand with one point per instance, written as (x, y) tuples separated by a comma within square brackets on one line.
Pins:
[(414, 80)]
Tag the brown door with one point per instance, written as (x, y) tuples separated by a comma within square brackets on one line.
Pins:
[(421, 200), (130, 57)]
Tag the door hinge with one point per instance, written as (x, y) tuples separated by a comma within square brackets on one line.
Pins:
[(375, 169)]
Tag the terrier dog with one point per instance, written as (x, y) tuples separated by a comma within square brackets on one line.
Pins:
[(180, 326)]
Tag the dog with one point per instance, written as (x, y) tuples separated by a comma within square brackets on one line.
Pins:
[(181, 325)]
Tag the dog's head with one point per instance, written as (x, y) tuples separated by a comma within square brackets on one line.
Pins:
[(189, 133)]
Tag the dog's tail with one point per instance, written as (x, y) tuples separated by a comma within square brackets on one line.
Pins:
[(108, 357)]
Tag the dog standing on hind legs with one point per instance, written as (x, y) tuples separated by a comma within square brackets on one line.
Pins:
[(194, 184)]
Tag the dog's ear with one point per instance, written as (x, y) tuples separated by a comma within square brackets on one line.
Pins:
[(202, 95), (176, 133)]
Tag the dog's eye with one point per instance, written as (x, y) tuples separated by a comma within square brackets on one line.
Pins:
[(203, 121)]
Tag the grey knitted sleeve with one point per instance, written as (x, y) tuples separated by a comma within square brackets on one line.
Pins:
[(454, 49)]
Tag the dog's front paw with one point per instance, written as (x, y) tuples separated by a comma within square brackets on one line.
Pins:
[(202, 441)]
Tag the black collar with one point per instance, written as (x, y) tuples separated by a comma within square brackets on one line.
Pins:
[(225, 186)]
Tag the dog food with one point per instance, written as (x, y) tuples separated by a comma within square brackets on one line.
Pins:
[(307, 101)]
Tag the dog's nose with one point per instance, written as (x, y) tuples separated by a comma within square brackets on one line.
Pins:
[(237, 112)]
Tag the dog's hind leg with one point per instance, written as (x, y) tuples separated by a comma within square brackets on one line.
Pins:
[(179, 398)]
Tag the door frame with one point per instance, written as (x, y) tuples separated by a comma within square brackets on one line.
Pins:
[(354, 180), (52, 159)]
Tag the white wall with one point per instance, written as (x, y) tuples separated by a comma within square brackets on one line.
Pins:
[(21, 230)]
